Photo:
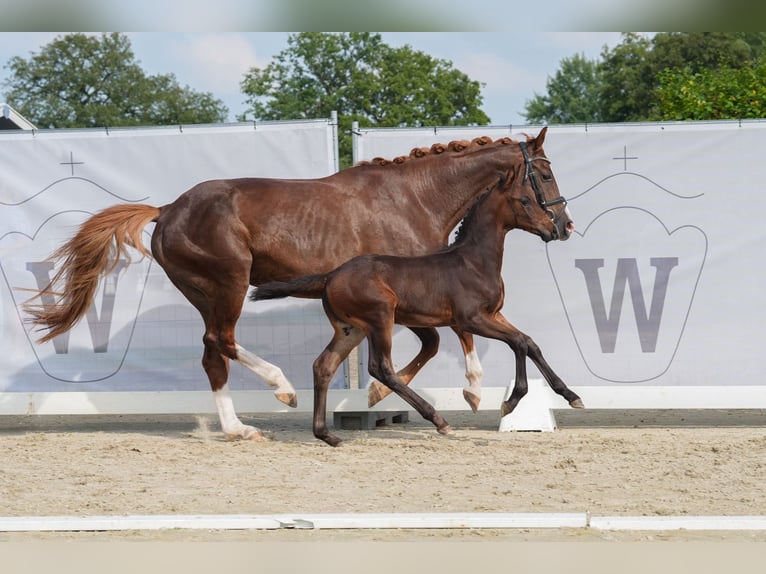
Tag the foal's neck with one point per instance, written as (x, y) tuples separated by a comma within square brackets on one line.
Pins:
[(482, 241)]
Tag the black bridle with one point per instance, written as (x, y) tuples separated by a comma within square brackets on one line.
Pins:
[(530, 173)]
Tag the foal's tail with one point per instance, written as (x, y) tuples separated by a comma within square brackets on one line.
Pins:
[(93, 252), (308, 286)]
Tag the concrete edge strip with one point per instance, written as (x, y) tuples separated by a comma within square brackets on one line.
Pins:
[(378, 520)]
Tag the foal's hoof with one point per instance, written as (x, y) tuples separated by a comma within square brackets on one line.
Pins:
[(376, 392), (472, 399), (332, 440), (290, 399), (577, 404)]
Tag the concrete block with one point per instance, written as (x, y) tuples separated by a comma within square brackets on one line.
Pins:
[(367, 420)]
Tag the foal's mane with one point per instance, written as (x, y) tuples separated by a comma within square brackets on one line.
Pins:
[(439, 148), (465, 223)]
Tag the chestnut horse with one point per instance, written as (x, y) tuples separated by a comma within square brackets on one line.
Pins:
[(459, 286), (221, 236)]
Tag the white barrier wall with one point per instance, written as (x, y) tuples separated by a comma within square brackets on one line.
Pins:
[(661, 288), (654, 303), (141, 335)]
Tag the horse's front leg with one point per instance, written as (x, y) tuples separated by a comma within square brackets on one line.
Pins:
[(473, 370)]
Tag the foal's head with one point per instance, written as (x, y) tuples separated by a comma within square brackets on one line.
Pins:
[(533, 195)]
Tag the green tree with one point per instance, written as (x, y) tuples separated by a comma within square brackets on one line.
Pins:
[(629, 79), (572, 94), (712, 94), (364, 80), (79, 80)]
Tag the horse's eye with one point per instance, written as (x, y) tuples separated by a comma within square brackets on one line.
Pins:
[(525, 201), (547, 177)]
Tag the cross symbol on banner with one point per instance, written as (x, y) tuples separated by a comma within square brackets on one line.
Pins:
[(625, 157), (71, 162)]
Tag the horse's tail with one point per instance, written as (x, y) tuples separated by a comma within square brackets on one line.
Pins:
[(94, 251), (308, 286)]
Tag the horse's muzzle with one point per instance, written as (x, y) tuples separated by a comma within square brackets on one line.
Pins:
[(563, 225)]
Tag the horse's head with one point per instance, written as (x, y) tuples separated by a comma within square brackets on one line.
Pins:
[(535, 198)]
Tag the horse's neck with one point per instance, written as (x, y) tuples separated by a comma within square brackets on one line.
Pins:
[(448, 185)]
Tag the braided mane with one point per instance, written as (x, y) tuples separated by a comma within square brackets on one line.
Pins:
[(439, 148)]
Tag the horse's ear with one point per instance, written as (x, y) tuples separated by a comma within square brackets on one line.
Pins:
[(541, 137)]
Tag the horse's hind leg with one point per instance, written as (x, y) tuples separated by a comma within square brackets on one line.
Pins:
[(429, 339), (217, 369), (220, 306)]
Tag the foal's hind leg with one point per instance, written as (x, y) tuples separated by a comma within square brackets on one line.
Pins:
[(429, 339), (346, 337), (381, 367)]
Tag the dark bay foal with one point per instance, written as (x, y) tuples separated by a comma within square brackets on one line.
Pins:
[(459, 286)]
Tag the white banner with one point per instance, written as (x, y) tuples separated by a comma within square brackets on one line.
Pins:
[(662, 285), (141, 334)]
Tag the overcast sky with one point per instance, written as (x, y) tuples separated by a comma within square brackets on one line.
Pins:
[(512, 65)]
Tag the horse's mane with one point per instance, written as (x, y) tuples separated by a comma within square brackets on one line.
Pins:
[(439, 148)]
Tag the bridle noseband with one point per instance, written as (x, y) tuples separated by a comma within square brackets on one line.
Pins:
[(529, 172)]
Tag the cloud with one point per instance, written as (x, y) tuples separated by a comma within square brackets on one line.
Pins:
[(215, 62), (589, 43), (501, 75)]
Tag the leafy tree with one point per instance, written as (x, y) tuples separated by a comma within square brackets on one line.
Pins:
[(364, 80), (627, 87), (572, 94), (85, 81), (633, 79), (723, 93)]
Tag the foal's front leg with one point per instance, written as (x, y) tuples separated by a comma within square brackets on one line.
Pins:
[(497, 327)]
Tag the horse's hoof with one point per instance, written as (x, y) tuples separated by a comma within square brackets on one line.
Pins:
[(376, 392), (577, 404), (445, 430), (505, 409), (472, 399), (290, 399), (246, 433)]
